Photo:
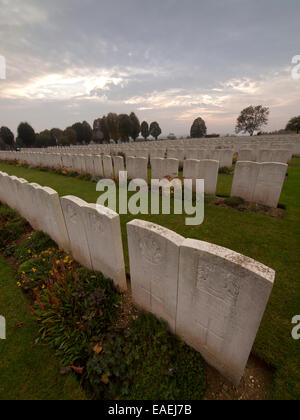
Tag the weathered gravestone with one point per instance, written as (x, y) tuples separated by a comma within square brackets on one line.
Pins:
[(170, 168), (98, 166), (137, 168), (103, 232), (226, 158), (53, 222), (222, 297), (246, 155), (244, 180), (208, 170), (269, 183), (259, 182), (157, 168), (154, 261), (71, 207), (118, 166), (108, 167), (67, 163), (89, 163)]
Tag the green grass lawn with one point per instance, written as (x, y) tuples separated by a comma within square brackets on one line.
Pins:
[(274, 242), (27, 371)]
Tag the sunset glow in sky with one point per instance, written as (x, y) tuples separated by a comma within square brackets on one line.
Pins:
[(166, 60)]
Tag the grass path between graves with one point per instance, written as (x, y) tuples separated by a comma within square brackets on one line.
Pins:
[(271, 241), (27, 371)]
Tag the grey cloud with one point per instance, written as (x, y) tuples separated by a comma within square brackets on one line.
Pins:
[(158, 46)]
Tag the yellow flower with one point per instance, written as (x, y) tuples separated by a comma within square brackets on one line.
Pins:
[(29, 251), (43, 287), (33, 269), (19, 284)]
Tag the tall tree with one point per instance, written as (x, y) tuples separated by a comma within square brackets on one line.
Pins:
[(135, 126), (69, 137), (44, 139), (145, 129), (155, 130), (198, 128), (7, 136), (113, 126), (56, 134), (252, 119), (104, 129), (294, 125), (26, 134), (83, 131), (125, 127), (87, 132)]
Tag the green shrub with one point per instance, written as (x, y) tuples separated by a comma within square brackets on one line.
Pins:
[(234, 201), (108, 371), (84, 177), (12, 230), (225, 170), (165, 367), (146, 362), (6, 213), (38, 242), (74, 309)]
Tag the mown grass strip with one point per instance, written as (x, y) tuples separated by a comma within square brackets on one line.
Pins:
[(28, 371)]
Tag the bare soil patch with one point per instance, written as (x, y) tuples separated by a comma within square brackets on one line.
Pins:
[(256, 383), (278, 213)]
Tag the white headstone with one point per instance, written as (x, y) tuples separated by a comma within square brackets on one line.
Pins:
[(72, 207), (154, 260), (108, 166), (103, 232), (222, 297)]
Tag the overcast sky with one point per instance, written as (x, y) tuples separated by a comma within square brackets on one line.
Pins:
[(166, 60)]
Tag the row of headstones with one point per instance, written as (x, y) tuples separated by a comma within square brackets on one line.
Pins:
[(290, 142), (136, 167), (90, 232), (224, 156), (83, 163), (217, 141), (259, 183), (210, 296)]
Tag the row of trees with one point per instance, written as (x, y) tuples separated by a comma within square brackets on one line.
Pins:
[(122, 127), (111, 127)]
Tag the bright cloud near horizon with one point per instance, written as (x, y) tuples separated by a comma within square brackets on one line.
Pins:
[(169, 61)]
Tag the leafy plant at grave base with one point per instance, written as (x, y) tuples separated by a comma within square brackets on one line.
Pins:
[(84, 177), (225, 170), (234, 201), (12, 230), (6, 213), (38, 242), (108, 373), (145, 362), (257, 208), (72, 310), (34, 273)]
